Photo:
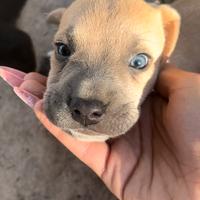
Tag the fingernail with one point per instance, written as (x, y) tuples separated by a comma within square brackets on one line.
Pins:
[(26, 97), (17, 73), (12, 79)]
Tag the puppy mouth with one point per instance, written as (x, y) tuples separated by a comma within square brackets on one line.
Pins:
[(88, 135), (114, 123)]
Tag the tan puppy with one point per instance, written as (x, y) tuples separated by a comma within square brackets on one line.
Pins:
[(106, 60)]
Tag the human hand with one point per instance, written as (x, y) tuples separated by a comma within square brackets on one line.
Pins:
[(158, 158)]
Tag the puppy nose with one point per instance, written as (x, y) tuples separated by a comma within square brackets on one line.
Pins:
[(87, 112)]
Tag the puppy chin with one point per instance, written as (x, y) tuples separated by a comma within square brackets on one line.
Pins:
[(98, 134), (88, 135)]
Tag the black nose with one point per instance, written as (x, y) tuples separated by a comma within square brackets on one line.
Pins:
[(87, 112)]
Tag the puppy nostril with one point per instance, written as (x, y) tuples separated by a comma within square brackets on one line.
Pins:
[(96, 114), (77, 112)]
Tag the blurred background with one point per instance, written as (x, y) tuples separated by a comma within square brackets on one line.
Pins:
[(14, 43), (33, 165)]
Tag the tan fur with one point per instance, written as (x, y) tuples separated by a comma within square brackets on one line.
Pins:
[(171, 21), (55, 16), (107, 34)]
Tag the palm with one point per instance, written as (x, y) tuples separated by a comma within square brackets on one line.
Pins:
[(155, 160)]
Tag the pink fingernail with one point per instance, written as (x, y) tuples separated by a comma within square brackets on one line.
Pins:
[(12, 79), (17, 73), (26, 97)]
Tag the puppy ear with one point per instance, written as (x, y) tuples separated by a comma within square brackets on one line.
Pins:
[(55, 16), (171, 21)]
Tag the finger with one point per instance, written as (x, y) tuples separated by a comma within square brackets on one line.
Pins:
[(18, 73), (171, 78), (26, 97), (37, 77), (93, 154), (34, 87), (13, 77)]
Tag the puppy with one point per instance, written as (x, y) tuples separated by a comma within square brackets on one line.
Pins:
[(107, 56)]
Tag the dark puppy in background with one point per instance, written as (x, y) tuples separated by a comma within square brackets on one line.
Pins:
[(16, 49)]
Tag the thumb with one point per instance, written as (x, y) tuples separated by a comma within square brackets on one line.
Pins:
[(172, 78)]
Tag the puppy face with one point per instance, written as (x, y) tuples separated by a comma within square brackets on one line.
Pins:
[(105, 63)]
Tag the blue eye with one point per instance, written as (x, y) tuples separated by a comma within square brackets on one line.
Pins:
[(63, 50), (140, 61)]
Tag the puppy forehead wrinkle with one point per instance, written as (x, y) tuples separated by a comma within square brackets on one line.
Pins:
[(106, 24), (101, 18)]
